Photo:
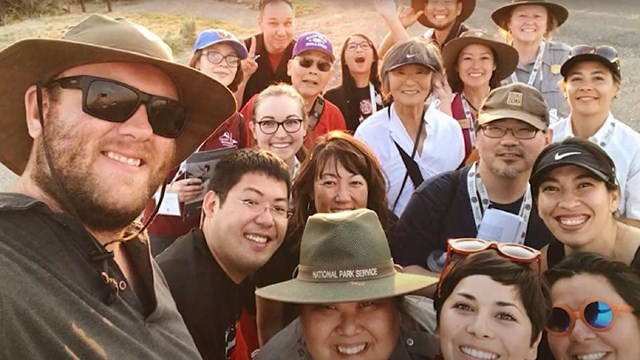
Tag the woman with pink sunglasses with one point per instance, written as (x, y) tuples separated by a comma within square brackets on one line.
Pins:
[(596, 311), (491, 303)]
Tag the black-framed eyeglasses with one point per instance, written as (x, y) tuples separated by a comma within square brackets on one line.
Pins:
[(216, 58), (114, 101), (497, 132), (323, 66), (291, 125), (352, 47)]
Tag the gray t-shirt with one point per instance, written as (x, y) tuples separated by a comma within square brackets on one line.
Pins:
[(54, 303)]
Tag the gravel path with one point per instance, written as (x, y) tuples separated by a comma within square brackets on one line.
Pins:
[(595, 22)]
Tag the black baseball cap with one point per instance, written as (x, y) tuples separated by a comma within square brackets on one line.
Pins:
[(576, 152)]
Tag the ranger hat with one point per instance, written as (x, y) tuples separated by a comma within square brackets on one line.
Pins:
[(501, 15), (506, 57), (99, 39), (467, 9), (515, 101), (344, 257)]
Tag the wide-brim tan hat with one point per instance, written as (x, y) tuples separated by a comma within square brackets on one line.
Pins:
[(467, 9), (501, 15), (506, 57), (344, 257), (517, 101), (99, 39)]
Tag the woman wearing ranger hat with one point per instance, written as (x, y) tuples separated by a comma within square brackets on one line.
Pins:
[(350, 295), (528, 25), (475, 63)]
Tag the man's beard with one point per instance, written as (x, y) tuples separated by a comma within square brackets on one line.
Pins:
[(76, 189)]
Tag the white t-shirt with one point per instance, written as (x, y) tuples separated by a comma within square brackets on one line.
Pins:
[(442, 149), (622, 144)]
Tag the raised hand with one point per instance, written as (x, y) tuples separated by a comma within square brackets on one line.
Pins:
[(442, 89), (408, 16), (386, 8), (249, 65)]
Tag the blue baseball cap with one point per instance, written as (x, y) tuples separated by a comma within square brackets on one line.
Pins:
[(218, 36), (313, 41)]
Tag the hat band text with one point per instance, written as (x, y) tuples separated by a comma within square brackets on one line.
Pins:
[(342, 274)]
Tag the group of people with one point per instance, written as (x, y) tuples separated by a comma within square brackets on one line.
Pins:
[(456, 196)]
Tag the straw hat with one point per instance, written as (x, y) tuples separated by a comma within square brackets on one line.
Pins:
[(506, 57), (467, 9), (501, 15), (99, 39), (344, 257)]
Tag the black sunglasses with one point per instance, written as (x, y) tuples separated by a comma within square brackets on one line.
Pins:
[(114, 101), (321, 65)]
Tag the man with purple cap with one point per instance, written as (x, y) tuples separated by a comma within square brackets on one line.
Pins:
[(311, 68)]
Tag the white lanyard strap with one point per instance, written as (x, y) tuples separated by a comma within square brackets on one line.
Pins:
[(536, 66), (470, 118), (479, 199)]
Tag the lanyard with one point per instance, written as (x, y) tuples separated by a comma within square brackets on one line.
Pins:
[(479, 199), (469, 116), (536, 66)]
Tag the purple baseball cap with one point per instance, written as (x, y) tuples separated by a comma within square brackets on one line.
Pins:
[(218, 36), (313, 41)]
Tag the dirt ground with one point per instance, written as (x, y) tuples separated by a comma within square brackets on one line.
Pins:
[(595, 22)]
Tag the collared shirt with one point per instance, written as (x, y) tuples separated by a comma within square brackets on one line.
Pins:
[(549, 77), (54, 303), (622, 144), (442, 148), (454, 33)]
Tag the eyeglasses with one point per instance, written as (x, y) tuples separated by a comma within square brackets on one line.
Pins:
[(271, 126), (323, 66), (605, 51), (215, 58), (497, 132), (278, 212), (116, 102), (597, 314), (352, 47)]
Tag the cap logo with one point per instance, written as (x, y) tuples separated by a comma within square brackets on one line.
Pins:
[(411, 56), (224, 34), (514, 98), (559, 156)]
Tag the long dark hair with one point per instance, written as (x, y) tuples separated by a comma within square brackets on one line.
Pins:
[(348, 82), (356, 158)]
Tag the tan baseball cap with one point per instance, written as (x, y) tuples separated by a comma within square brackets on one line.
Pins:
[(515, 101)]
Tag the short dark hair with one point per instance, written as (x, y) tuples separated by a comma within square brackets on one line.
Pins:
[(530, 286), (263, 3), (625, 280), (230, 169)]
